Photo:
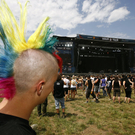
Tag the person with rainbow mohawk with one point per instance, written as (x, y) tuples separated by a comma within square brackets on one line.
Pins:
[(28, 70)]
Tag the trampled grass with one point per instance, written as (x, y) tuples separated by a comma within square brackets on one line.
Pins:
[(104, 118)]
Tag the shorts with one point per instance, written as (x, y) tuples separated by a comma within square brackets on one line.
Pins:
[(96, 88), (128, 94), (61, 101), (109, 90), (88, 93), (66, 90), (73, 89), (79, 84), (116, 92)]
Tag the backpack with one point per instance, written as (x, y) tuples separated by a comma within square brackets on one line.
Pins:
[(110, 84)]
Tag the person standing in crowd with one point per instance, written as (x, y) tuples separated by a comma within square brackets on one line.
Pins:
[(66, 86), (103, 85), (122, 80), (133, 80), (128, 85), (58, 94), (73, 87), (109, 86), (84, 86), (90, 89), (116, 88), (69, 91), (80, 81), (44, 108), (96, 85)]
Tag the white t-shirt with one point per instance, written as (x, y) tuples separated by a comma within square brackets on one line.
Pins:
[(92, 78), (66, 81)]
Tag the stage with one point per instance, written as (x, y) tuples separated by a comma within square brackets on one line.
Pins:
[(85, 53)]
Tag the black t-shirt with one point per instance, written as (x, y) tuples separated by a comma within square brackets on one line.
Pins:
[(127, 85), (116, 85), (97, 83), (89, 84), (12, 125), (58, 89)]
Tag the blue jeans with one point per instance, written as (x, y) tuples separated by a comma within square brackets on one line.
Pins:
[(104, 91), (61, 101)]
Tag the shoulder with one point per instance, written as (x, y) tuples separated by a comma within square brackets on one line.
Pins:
[(16, 128)]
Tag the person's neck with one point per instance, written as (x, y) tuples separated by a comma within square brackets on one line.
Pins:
[(19, 107)]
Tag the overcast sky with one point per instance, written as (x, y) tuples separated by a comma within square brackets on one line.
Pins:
[(111, 18)]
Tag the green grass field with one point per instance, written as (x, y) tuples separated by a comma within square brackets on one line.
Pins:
[(103, 118)]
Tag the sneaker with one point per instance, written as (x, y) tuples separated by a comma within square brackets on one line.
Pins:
[(86, 102)]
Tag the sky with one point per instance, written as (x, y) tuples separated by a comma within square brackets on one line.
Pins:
[(107, 18)]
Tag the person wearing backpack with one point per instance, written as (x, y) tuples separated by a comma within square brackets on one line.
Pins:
[(116, 88), (109, 86), (96, 85), (66, 86)]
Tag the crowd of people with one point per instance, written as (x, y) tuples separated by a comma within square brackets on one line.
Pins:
[(65, 88)]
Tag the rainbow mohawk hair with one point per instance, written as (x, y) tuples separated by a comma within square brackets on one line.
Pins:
[(13, 37)]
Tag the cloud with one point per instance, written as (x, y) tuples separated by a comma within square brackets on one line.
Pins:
[(103, 11), (118, 14), (63, 14), (118, 35), (86, 5), (97, 11), (99, 26), (71, 35), (66, 14)]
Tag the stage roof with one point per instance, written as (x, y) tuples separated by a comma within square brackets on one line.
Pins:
[(109, 39), (89, 40)]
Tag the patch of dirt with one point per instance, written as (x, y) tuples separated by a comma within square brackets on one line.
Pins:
[(93, 130)]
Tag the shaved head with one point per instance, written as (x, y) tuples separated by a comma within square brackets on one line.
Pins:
[(31, 67)]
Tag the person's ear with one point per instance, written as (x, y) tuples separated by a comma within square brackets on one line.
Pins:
[(40, 87)]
